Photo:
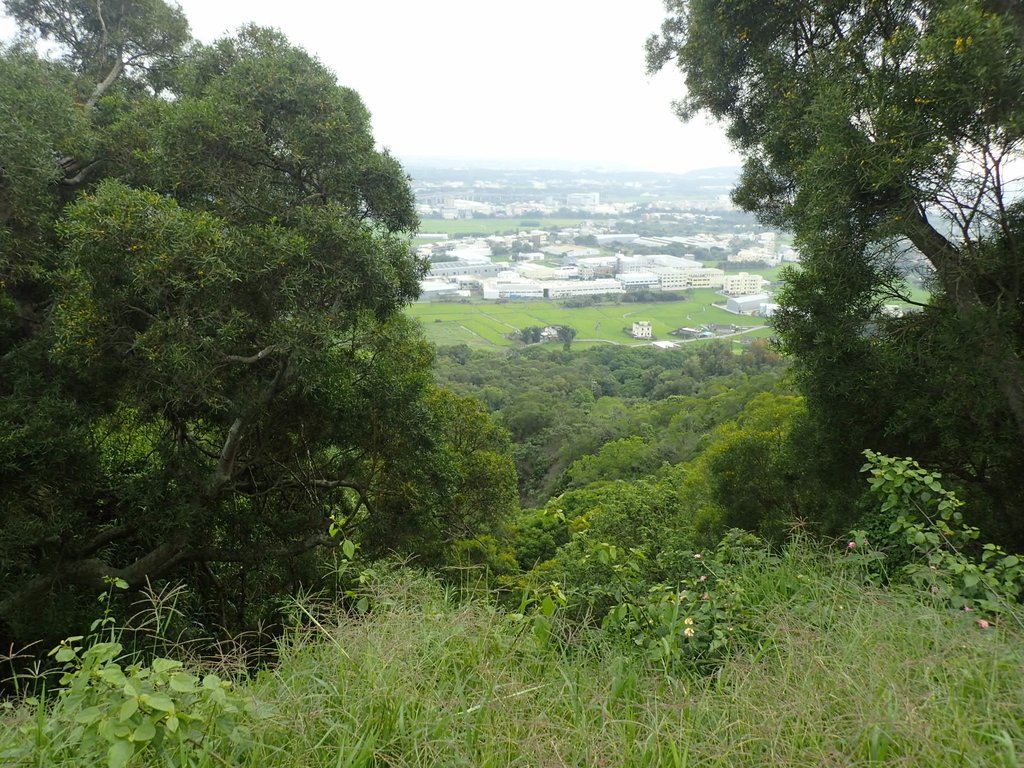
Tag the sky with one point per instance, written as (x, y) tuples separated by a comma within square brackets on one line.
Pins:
[(544, 83)]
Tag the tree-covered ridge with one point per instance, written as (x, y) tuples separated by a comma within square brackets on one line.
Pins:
[(204, 373), (610, 412)]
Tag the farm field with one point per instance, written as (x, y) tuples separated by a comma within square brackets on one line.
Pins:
[(484, 324)]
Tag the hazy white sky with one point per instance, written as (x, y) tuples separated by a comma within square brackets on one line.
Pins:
[(551, 81)]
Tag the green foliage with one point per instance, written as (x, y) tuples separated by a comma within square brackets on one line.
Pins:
[(697, 619), (107, 711), (884, 136), (430, 677), (203, 361), (561, 408), (946, 560)]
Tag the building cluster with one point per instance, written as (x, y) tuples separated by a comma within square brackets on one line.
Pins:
[(482, 205), (470, 267)]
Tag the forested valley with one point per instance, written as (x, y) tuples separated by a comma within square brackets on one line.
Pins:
[(250, 516)]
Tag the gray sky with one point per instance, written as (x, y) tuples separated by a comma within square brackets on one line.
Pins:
[(542, 81)]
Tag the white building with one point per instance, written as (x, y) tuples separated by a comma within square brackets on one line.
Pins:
[(748, 305), (639, 280), (565, 289), (599, 266), (665, 260), (530, 256), (510, 288), (537, 271), (642, 330), (742, 284), (677, 279), (431, 289), (576, 199), (755, 256), (626, 264)]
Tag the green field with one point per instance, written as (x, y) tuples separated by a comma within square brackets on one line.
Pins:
[(493, 226), (484, 324)]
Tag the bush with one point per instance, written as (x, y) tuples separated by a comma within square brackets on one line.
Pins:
[(935, 550)]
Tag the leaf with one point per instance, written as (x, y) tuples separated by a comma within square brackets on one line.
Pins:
[(183, 682), (165, 665), (129, 708), (363, 605), (119, 754), (211, 682), (548, 607), (89, 715), (145, 732), (159, 701), (348, 548)]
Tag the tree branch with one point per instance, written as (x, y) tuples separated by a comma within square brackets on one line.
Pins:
[(104, 85), (229, 452), (252, 358)]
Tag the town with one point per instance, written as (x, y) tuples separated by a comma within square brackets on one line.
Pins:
[(554, 236)]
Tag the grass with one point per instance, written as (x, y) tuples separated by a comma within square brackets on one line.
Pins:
[(841, 675), (484, 324)]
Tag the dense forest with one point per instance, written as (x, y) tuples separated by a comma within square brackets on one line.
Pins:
[(316, 539)]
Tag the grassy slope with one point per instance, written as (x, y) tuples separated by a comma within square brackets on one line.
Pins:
[(484, 324), (841, 675)]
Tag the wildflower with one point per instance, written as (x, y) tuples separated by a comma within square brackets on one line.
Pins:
[(967, 609), (703, 578), (983, 624), (688, 620), (697, 556), (935, 589), (852, 545), (688, 631)]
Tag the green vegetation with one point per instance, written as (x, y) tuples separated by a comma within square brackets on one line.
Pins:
[(870, 130), (486, 324), (319, 540), (205, 373), (831, 671)]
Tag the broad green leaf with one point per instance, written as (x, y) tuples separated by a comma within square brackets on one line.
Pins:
[(145, 731), (129, 708), (548, 607), (159, 701), (119, 754), (165, 665), (89, 715), (183, 682)]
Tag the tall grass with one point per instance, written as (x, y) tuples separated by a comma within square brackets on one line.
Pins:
[(839, 675)]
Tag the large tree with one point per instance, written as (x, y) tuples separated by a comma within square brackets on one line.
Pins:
[(203, 363), (884, 133)]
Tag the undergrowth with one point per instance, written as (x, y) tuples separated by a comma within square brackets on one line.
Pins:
[(829, 670)]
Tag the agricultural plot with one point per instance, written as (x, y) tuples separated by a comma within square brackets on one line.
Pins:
[(485, 324)]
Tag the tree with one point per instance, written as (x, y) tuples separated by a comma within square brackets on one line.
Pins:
[(566, 333), (203, 362), (879, 132)]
